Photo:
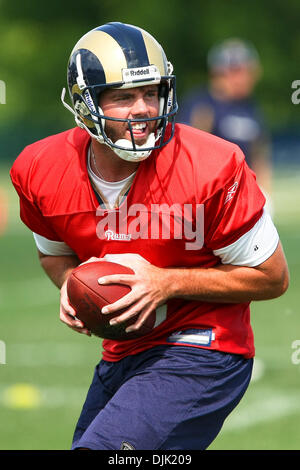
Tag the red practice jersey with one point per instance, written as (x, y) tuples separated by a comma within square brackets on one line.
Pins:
[(193, 196)]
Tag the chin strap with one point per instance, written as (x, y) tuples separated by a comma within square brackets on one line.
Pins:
[(130, 155)]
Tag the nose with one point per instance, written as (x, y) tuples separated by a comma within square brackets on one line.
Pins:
[(139, 107)]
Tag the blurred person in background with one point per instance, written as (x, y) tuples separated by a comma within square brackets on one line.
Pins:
[(226, 108)]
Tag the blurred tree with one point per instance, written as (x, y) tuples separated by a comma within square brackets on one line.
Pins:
[(37, 38)]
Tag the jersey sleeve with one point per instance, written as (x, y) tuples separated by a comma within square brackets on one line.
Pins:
[(253, 248), (52, 248), (30, 213), (234, 209)]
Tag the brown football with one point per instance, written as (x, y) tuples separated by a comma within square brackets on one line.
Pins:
[(88, 297)]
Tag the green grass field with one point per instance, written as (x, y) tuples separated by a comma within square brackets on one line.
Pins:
[(48, 367)]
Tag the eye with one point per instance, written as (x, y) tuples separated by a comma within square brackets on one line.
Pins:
[(152, 93), (124, 98)]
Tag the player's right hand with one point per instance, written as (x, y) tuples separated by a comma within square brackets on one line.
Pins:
[(67, 314)]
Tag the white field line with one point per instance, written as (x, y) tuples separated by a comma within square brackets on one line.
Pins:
[(52, 354), (65, 354), (265, 406), (33, 292), (68, 354)]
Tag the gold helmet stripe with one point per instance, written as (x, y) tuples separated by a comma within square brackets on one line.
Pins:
[(108, 52), (155, 53)]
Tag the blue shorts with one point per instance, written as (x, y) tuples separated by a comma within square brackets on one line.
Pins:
[(165, 398)]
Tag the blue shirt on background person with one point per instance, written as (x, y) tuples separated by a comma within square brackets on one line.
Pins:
[(238, 121), (227, 109)]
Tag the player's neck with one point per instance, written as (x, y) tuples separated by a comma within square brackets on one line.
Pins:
[(107, 165)]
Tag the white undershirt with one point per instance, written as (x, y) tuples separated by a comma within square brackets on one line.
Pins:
[(109, 189)]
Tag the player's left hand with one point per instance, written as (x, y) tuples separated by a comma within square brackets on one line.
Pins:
[(150, 288)]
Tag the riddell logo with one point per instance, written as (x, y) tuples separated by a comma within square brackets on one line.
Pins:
[(132, 74), (139, 72), (89, 101)]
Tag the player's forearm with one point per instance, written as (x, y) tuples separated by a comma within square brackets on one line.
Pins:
[(58, 268), (221, 284), (227, 284)]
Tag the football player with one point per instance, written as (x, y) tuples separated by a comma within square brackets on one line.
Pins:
[(227, 107), (174, 387)]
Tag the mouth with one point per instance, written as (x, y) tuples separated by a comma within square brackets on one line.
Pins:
[(139, 130)]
